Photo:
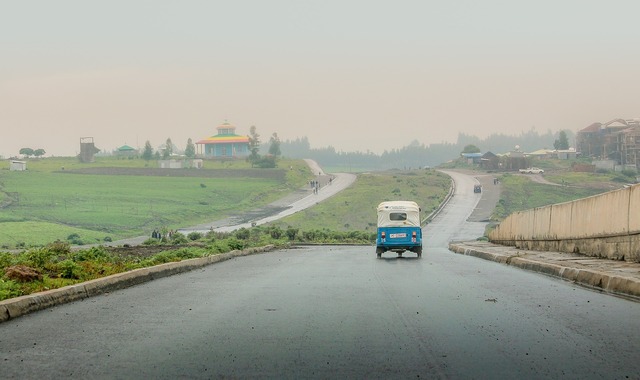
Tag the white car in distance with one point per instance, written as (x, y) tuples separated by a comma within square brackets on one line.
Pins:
[(532, 171)]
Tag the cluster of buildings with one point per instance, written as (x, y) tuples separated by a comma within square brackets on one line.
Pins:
[(225, 144), (516, 159), (612, 145)]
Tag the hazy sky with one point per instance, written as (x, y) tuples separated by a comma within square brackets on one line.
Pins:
[(357, 75)]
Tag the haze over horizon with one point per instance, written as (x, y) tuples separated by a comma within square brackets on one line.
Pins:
[(356, 75)]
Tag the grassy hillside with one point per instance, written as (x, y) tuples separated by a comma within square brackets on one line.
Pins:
[(355, 207), (46, 203), (521, 193)]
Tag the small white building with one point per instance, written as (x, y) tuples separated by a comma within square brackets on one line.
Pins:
[(170, 164), (16, 165), (180, 164)]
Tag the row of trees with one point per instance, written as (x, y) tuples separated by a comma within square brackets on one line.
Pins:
[(268, 161), (32, 152), (416, 154), (190, 150), (164, 154)]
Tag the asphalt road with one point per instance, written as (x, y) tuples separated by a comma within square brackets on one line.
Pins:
[(338, 312)]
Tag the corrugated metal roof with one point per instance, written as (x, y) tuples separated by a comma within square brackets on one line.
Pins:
[(224, 139)]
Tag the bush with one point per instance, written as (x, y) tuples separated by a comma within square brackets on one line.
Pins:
[(108, 239), (94, 253), (6, 259), (234, 244), (69, 269), (59, 247), (9, 289), (75, 239), (194, 236), (629, 173), (265, 162), (275, 233), (308, 235), (243, 234), (151, 241), (292, 233), (178, 238), (39, 257)]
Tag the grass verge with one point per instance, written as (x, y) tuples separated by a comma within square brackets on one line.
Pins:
[(355, 207)]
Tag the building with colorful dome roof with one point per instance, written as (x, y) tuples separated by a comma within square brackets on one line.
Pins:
[(226, 144)]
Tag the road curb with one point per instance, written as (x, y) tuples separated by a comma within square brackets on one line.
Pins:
[(447, 198), (19, 306), (596, 279)]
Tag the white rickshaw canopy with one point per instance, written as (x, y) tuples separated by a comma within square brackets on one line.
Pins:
[(398, 214)]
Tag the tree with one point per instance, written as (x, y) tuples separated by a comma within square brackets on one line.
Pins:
[(168, 149), (190, 150), (562, 143), (147, 153), (471, 149), (274, 148), (27, 152), (254, 145), (39, 152)]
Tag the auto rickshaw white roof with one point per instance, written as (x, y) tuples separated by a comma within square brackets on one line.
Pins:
[(385, 209)]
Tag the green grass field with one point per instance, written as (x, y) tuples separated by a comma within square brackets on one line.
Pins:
[(355, 208), (46, 203)]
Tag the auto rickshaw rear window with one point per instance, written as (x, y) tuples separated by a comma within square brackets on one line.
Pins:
[(398, 216)]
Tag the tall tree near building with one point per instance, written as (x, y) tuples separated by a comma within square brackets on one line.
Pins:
[(562, 143), (254, 145), (190, 150), (147, 153), (39, 152), (168, 149), (471, 149), (274, 148)]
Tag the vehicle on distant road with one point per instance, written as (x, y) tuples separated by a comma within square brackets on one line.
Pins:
[(399, 228), (532, 170), (477, 189)]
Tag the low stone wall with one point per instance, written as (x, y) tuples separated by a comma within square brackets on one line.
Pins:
[(605, 225)]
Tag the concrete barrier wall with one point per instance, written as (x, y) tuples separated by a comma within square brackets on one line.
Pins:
[(560, 223), (634, 208), (542, 225), (605, 225)]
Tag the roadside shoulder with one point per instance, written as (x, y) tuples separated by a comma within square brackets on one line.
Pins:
[(616, 277)]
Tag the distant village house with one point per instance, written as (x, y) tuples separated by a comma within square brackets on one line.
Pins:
[(126, 151), (226, 144)]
